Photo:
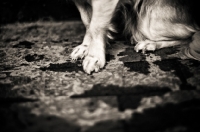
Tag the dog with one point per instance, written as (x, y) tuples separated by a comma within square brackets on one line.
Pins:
[(151, 24)]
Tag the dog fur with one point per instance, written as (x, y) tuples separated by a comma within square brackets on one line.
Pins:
[(151, 24)]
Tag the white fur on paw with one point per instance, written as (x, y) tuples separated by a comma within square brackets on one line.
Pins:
[(145, 46), (92, 63), (79, 52)]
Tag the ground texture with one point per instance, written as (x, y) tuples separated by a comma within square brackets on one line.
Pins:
[(42, 90)]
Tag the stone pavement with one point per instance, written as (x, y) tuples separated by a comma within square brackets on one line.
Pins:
[(41, 90)]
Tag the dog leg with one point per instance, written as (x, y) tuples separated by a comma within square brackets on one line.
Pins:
[(95, 38), (85, 10), (102, 14), (149, 45)]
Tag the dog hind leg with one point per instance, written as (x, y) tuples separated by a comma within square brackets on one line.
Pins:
[(149, 45)]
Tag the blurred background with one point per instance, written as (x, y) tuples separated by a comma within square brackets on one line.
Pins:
[(32, 10)]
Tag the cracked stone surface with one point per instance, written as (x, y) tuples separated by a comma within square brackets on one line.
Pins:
[(42, 90)]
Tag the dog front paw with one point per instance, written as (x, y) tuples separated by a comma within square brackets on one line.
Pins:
[(93, 63), (79, 52), (144, 46)]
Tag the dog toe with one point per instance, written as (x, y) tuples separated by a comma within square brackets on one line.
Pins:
[(140, 46), (79, 52), (91, 63), (145, 46)]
